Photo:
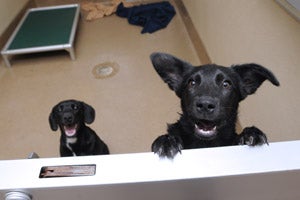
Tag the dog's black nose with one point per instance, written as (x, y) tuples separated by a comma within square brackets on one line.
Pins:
[(68, 118), (206, 105)]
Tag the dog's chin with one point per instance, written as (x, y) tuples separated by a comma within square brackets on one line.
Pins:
[(70, 130), (205, 130)]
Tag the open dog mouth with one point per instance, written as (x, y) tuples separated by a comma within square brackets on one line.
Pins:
[(205, 129), (70, 130)]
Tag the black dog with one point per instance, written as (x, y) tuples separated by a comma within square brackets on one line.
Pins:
[(76, 139), (209, 95)]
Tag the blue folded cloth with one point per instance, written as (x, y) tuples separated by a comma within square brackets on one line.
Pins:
[(151, 17)]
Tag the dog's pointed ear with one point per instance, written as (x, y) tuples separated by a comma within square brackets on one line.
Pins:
[(89, 113), (52, 121), (252, 76), (171, 69)]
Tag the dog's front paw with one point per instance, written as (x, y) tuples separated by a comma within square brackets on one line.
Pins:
[(252, 136), (167, 146)]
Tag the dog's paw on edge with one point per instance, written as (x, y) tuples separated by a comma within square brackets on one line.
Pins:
[(252, 136), (167, 146)]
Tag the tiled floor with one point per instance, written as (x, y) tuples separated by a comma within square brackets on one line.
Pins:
[(132, 107)]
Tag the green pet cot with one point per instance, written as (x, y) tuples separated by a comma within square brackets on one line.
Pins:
[(44, 29)]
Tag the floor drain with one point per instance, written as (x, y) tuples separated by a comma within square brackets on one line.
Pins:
[(105, 70)]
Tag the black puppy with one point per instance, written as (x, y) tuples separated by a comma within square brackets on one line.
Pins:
[(209, 95), (76, 139)]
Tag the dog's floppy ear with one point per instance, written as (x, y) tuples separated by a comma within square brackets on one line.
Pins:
[(252, 76), (52, 121), (171, 69), (89, 113)]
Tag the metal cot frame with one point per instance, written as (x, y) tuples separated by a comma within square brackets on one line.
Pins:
[(44, 29)]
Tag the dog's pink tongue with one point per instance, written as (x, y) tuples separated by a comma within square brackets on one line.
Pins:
[(70, 131)]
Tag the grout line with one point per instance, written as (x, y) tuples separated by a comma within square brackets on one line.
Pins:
[(194, 36)]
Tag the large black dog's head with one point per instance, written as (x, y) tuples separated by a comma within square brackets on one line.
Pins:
[(210, 93), (70, 116)]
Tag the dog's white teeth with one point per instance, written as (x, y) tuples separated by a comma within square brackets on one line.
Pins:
[(205, 132), (206, 128)]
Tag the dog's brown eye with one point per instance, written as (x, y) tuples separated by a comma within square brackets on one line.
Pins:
[(226, 84), (192, 82)]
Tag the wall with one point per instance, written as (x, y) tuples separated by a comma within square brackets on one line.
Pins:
[(241, 31), (8, 11)]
